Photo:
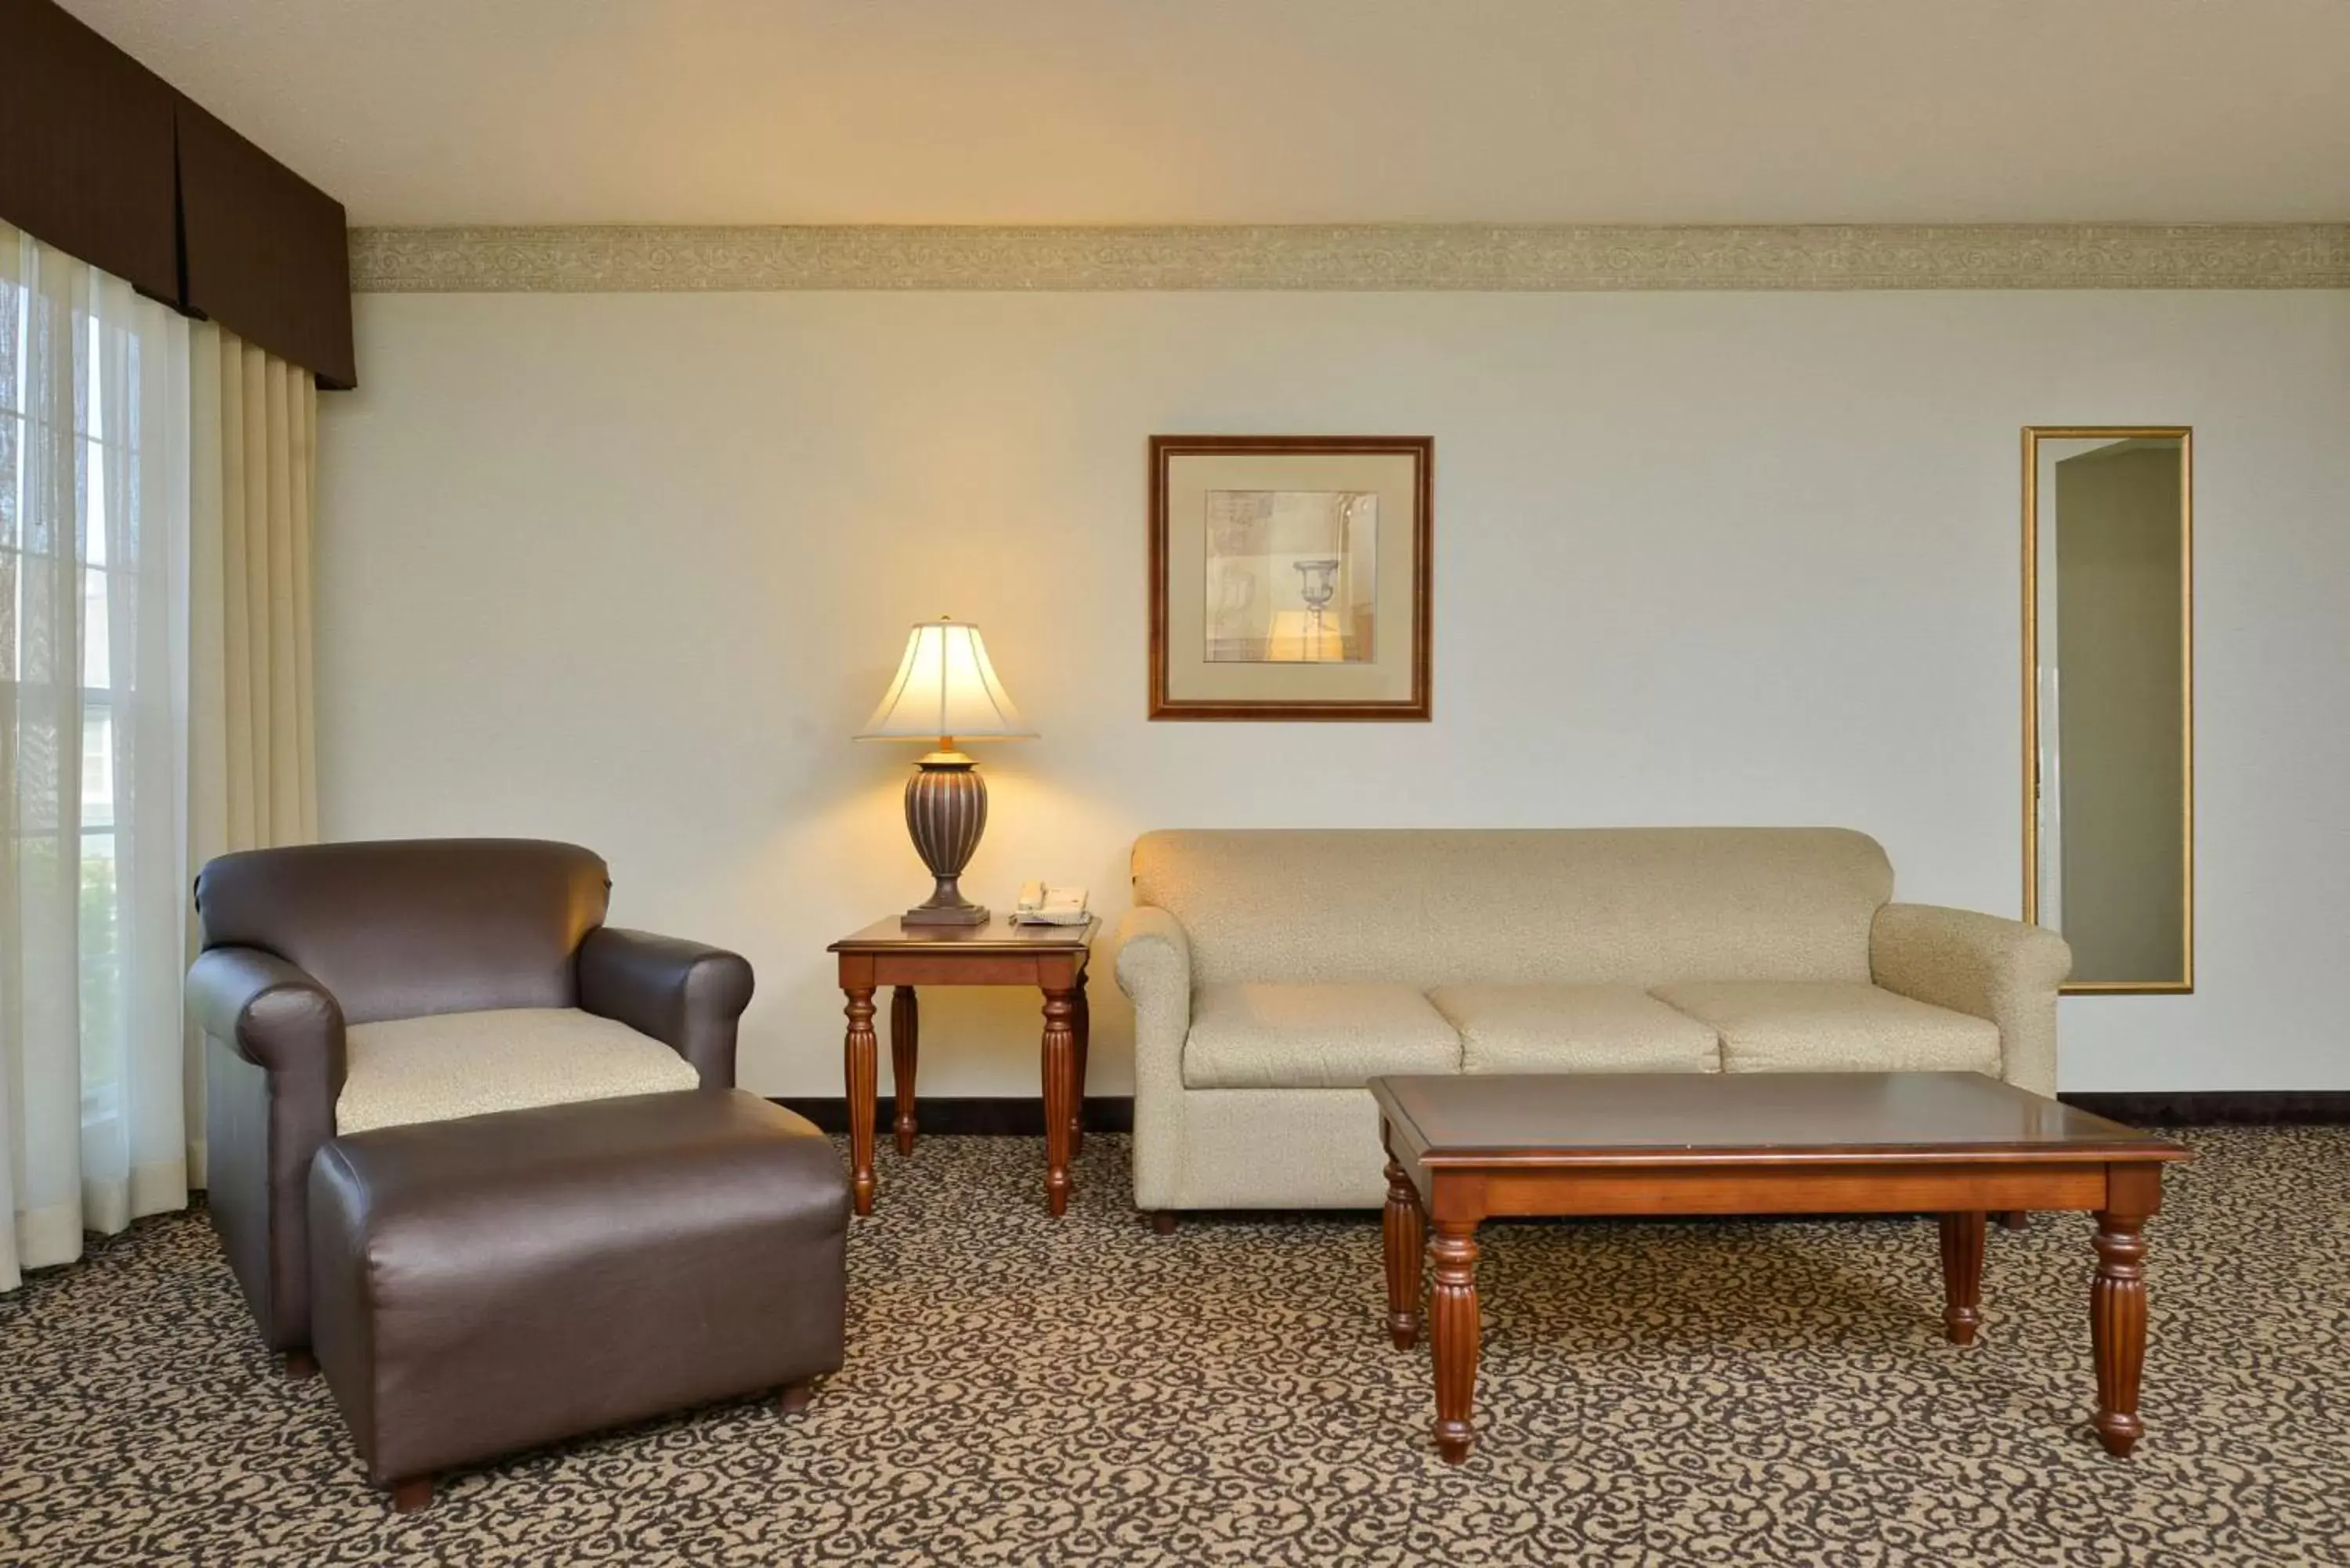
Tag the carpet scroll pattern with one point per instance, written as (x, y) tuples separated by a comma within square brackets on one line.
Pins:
[(1022, 1391)]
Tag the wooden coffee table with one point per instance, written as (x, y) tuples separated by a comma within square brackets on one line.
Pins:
[(1957, 1145)]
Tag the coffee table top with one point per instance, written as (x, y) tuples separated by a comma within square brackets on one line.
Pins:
[(1657, 1119)]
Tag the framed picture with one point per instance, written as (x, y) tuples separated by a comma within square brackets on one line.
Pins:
[(1289, 577)]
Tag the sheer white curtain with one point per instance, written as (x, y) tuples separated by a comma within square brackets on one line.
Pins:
[(94, 506)]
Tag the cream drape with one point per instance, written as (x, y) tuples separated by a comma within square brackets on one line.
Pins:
[(94, 430), (251, 722)]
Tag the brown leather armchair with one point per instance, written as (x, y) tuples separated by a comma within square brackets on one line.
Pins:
[(420, 957)]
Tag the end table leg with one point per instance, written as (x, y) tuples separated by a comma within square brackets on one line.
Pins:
[(1060, 1068), (1962, 1262), (1456, 1333), (2118, 1328), (1404, 1239), (859, 1052), (905, 1047), (1083, 1024)]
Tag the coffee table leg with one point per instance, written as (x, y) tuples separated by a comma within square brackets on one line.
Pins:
[(859, 1051), (1456, 1330), (1060, 1073), (1403, 1237), (1962, 1261), (2118, 1328), (905, 1054)]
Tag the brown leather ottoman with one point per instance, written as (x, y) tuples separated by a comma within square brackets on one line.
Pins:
[(501, 1282)]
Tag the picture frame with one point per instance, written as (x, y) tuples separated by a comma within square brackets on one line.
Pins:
[(1290, 577)]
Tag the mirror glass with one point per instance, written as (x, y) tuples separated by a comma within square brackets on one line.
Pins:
[(2108, 741)]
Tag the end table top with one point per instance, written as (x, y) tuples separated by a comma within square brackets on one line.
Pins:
[(999, 935), (1654, 1119)]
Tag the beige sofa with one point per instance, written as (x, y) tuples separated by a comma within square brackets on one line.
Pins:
[(1273, 972)]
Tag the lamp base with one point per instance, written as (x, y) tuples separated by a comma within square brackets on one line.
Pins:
[(946, 915), (946, 811)]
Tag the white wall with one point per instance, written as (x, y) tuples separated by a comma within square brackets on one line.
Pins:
[(631, 569)]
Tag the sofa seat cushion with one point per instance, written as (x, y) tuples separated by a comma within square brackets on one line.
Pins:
[(1574, 1028), (1257, 1036), (1834, 1027), (453, 1064)]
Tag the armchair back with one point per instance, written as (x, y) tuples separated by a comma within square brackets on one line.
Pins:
[(409, 928)]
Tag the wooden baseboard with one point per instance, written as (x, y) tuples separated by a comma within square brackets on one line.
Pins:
[(983, 1115), (1013, 1117), (2222, 1107)]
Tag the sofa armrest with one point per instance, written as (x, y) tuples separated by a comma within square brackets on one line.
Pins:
[(2004, 970), (1154, 969), (687, 996), (272, 1014)]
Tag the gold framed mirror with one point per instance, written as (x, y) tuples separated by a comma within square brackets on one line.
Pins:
[(2109, 700)]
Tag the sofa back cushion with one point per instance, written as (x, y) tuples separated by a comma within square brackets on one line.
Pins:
[(1429, 907)]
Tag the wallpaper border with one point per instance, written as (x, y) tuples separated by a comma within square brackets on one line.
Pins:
[(1545, 258)]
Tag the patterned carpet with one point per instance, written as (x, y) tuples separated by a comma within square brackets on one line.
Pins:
[(1021, 1391)]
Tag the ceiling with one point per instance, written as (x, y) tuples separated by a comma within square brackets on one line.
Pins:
[(1100, 111)]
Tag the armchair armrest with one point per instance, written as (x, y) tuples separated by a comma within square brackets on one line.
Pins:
[(1154, 969), (274, 1062), (272, 1013), (2004, 970), (687, 996)]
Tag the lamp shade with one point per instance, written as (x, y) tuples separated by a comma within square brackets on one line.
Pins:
[(946, 689)]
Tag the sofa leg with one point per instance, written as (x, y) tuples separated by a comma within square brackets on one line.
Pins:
[(795, 1396), (412, 1495), (300, 1364), (1162, 1222), (2014, 1219)]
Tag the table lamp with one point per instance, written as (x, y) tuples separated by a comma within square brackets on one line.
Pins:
[(946, 691)]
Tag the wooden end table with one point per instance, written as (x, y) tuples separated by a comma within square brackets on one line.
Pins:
[(1050, 957), (1957, 1145)]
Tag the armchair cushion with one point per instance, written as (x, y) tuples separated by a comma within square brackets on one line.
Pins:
[(1574, 1028), (1834, 1027), (1253, 1036), (453, 1064)]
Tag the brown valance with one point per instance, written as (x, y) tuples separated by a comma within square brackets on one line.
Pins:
[(86, 147), (264, 252), (108, 162)]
